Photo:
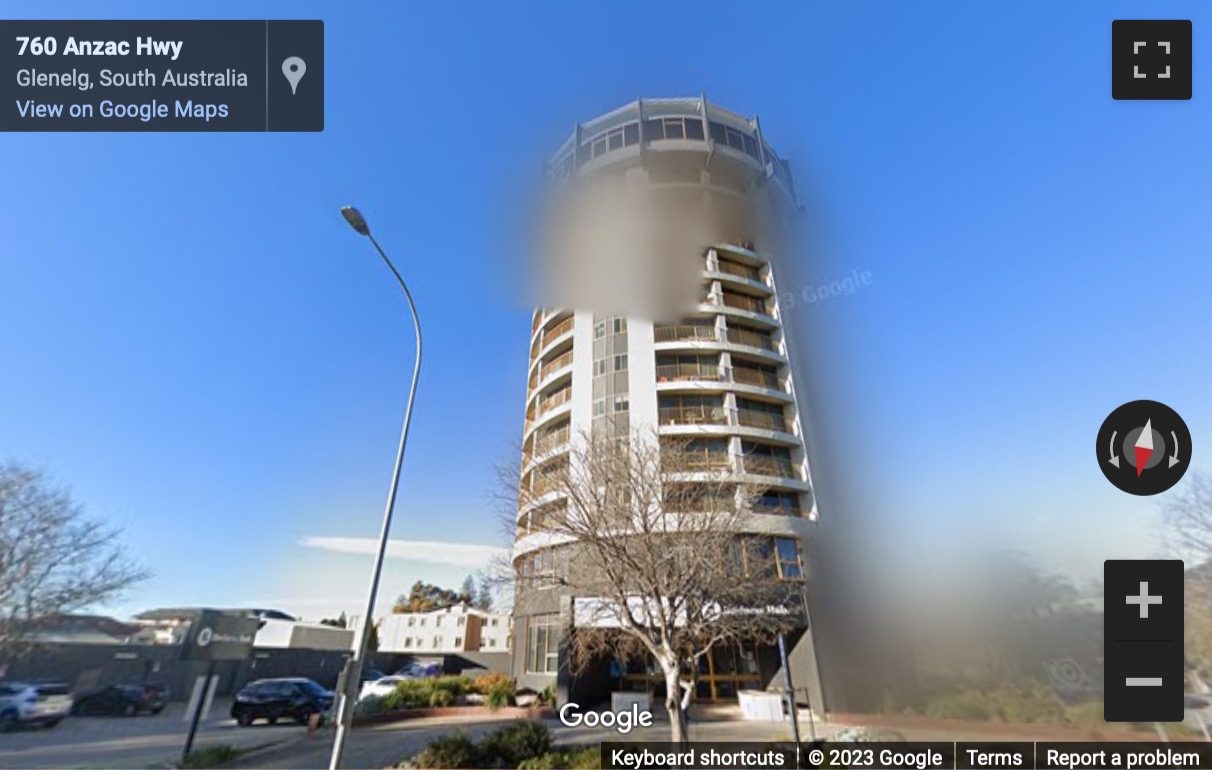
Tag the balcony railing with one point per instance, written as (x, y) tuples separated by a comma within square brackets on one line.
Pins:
[(741, 302), (682, 332), (564, 359), (743, 271), (705, 461), (674, 372), (770, 466), (549, 441), (752, 339), (780, 506), (753, 418), (547, 404), (561, 328), (755, 377), (692, 415), (546, 482)]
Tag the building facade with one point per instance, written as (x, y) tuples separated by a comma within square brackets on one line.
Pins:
[(717, 375), (445, 630)]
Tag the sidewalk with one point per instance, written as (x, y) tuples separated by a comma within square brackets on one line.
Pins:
[(389, 744)]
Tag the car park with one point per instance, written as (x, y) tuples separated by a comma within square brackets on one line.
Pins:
[(275, 699), (122, 700), (35, 704)]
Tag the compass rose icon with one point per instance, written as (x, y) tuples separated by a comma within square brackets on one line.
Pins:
[(1144, 447)]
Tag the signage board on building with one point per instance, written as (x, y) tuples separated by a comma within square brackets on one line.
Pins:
[(218, 635)]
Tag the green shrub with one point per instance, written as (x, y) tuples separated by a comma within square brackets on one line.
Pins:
[(548, 696), (371, 704), (500, 695), (518, 742), (963, 705), (211, 756), (426, 693), (455, 685), (441, 698), (1026, 703), (453, 750), (1085, 714), (586, 759)]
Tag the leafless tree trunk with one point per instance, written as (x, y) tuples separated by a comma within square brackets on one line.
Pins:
[(53, 559), (646, 535), (1188, 518)]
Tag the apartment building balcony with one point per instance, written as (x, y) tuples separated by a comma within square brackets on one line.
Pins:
[(545, 405), (693, 415), (766, 465), (682, 372), (746, 277), (775, 502), (548, 368), (705, 332), (745, 303), (549, 336), (753, 339), (763, 419)]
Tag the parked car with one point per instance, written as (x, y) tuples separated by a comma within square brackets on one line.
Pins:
[(122, 700), (371, 674), (23, 703), (274, 699), (419, 671), (382, 686)]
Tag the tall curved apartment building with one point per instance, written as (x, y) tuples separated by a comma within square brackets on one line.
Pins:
[(719, 374)]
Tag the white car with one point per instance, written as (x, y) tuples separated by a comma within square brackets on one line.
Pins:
[(381, 687), (22, 703)]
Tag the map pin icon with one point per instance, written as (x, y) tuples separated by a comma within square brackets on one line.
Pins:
[(294, 68)]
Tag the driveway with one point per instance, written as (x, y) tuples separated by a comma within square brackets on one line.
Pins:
[(130, 742)]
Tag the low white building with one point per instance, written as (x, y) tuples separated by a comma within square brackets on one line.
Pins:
[(295, 634), (456, 628), (277, 629)]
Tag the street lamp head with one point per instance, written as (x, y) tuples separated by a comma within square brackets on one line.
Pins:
[(355, 219)]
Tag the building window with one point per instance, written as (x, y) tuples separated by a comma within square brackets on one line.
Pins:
[(492, 642), (459, 642), (437, 621), (791, 566), (422, 622), (462, 621), (493, 622), (408, 641), (412, 622), (437, 642), (542, 644)]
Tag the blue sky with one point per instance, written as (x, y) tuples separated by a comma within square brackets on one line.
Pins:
[(202, 350)]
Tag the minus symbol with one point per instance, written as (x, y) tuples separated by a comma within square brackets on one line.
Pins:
[(1144, 681)]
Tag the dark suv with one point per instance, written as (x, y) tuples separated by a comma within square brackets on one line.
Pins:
[(122, 699), (274, 699)]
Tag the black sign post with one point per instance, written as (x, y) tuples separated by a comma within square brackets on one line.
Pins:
[(215, 635)]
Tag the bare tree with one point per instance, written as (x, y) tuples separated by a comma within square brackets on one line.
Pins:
[(1188, 518), (53, 558), (646, 535)]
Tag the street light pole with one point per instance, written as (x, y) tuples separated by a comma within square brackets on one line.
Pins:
[(353, 673)]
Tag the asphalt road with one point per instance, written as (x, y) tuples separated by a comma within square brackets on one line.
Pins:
[(144, 741)]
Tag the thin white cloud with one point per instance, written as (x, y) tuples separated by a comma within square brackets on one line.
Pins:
[(453, 554)]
